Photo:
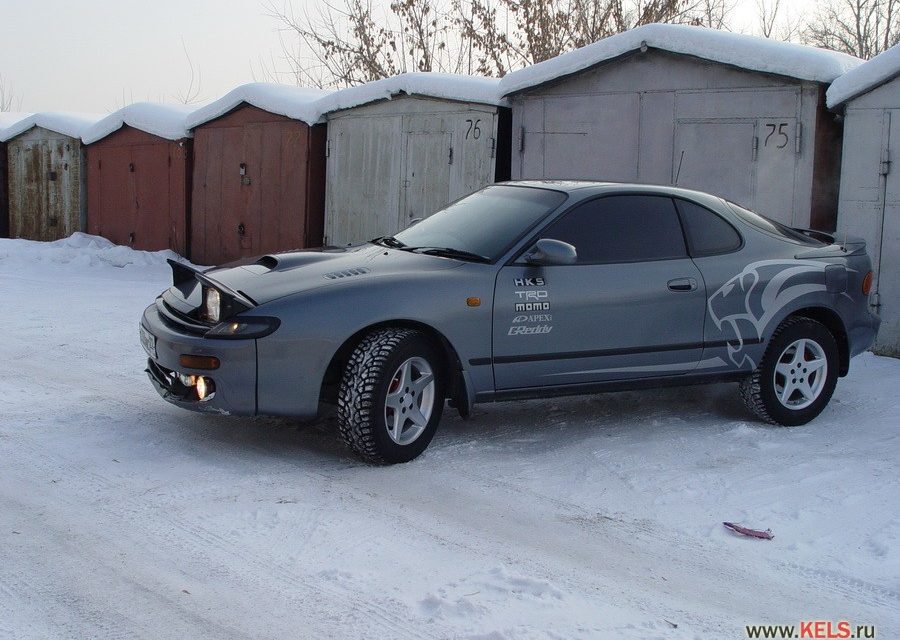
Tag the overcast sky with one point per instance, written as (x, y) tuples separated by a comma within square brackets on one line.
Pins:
[(97, 55)]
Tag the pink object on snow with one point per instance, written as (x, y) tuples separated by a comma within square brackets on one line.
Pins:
[(753, 533)]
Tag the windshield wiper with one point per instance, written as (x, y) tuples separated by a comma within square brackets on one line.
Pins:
[(388, 241), (449, 252)]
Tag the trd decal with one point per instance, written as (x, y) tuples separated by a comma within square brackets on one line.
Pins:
[(530, 282), (746, 303), (532, 295)]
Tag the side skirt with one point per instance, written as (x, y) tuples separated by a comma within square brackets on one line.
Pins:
[(529, 393)]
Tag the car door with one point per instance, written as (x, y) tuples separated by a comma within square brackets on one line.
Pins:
[(632, 305)]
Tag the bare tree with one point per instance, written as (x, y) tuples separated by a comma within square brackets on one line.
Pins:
[(863, 28), (353, 41), (8, 99), (507, 34), (192, 92)]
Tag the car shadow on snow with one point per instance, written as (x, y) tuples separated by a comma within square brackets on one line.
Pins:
[(545, 424)]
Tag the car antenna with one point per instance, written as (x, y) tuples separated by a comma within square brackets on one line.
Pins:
[(678, 172)]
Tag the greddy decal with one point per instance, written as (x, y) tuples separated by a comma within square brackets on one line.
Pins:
[(521, 330), (750, 300)]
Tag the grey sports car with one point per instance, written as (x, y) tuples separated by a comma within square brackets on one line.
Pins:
[(522, 289)]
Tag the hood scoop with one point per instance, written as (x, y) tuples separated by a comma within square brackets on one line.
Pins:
[(347, 273), (285, 261)]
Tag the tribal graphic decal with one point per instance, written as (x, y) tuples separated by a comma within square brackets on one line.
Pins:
[(746, 303)]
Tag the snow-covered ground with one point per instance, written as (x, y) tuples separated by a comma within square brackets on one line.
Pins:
[(596, 517)]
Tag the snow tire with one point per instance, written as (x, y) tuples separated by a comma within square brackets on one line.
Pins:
[(758, 390), (364, 388)]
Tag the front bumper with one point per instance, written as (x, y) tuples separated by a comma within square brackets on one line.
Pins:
[(235, 379)]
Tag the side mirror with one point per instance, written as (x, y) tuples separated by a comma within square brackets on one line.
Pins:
[(547, 251)]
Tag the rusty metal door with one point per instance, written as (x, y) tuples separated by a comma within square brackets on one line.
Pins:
[(116, 218), (153, 219)]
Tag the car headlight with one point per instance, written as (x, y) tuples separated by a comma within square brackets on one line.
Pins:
[(212, 305), (240, 328)]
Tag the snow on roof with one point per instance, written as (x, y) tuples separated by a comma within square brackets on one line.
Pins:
[(286, 100), (882, 68), (747, 52), (9, 119), (434, 85), (67, 123), (163, 120)]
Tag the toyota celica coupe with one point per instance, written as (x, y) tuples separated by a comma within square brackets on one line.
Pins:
[(519, 290)]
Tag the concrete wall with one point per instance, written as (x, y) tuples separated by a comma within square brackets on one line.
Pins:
[(663, 118), (870, 197), (395, 160)]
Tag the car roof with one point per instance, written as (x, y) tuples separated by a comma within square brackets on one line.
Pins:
[(593, 187)]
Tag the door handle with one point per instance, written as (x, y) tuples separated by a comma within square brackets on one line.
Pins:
[(682, 284)]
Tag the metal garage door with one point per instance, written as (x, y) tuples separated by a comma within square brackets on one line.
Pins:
[(593, 137), (426, 188), (717, 157)]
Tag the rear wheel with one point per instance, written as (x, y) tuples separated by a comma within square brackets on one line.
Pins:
[(797, 375), (391, 396)]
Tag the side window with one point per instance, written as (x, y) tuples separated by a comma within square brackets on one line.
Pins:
[(622, 229), (707, 232)]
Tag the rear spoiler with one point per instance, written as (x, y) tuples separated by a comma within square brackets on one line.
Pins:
[(183, 274), (837, 245)]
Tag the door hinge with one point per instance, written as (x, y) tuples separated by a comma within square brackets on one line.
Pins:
[(493, 147), (450, 159), (521, 140), (798, 141), (885, 166), (755, 147), (328, 148)]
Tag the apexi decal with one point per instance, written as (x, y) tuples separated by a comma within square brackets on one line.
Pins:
[(538, 318), (532, 306), (746, 303), (530, 282), (529, 331)]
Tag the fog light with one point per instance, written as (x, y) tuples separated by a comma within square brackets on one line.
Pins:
[(205, 388)]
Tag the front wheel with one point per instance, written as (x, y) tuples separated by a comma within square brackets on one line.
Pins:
[(391, 396), (797, 375)]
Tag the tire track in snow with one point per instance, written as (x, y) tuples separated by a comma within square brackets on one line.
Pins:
[(386, 622)]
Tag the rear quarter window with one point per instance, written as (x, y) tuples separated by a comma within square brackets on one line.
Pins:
[(708, 234)]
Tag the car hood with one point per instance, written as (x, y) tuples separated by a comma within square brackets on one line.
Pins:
[(274, 276)]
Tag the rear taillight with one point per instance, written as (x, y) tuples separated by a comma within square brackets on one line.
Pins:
[(867, 283)]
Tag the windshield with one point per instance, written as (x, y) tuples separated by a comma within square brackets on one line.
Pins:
[(485, 223), (767, 224)]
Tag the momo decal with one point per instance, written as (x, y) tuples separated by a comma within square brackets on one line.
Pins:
[(746, 304), (530, 282), (529, 331), (532, 306)]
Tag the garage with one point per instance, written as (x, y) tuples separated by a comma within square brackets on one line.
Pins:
[(46, 175), (869, 99), (739, 116), (404, 147), (7, 119), (259, 173), (138, 177)]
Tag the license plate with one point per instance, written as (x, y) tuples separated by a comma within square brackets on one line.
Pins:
[(148, 341)]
